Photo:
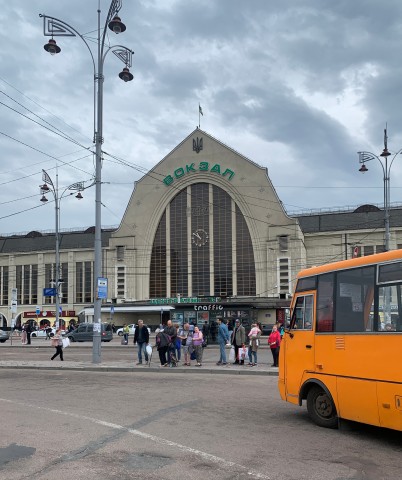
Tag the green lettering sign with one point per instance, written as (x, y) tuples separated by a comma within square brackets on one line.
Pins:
[(202, 167)]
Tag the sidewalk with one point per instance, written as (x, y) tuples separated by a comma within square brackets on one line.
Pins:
[(74, 361), (207, 367)]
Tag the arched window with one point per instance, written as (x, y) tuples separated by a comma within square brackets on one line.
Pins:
[(203, 232)]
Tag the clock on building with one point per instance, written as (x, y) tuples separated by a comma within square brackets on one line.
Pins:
[(199, 237)]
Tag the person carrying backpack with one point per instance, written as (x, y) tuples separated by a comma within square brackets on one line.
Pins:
[(162, 344)]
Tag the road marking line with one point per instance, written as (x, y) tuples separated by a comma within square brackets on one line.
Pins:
[(161, 441)]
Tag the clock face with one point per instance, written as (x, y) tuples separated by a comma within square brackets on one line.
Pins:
[(199, 237)]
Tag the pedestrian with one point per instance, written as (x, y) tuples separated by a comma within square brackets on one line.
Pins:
[(28, 329), (178, 343), (254, 338), (185, 338), (48, 330), (230, 324), (238, 341), (223, 339), (141, 338), (205, 332), (171, 332), (23, 335), (197, 344), (57, 342), (162, 343), (274, 341), (126, 332)]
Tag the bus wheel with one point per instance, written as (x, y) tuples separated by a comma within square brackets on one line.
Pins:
[(321, 408)]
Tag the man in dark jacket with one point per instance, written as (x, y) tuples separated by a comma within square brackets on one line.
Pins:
[(171, 331), (238, 340), (141, 338), (28, 329)]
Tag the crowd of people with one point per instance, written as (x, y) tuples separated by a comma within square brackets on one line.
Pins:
[(174, 342), (186, 343)]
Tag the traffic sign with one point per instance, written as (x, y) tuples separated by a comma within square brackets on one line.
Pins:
[(49, 292), (37, 311), (102, 287)]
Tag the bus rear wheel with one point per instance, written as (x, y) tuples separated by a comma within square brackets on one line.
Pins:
[(321, 408)]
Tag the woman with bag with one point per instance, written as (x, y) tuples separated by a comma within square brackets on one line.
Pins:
[(253, 336), (274, 341), (183, 336), (197, 344), (57, 341)]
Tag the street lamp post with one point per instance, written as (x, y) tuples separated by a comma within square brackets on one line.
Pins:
[(50, 187), (365, 157), (54, 27)]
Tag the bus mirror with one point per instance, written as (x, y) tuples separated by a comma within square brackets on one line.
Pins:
[(287, 330)]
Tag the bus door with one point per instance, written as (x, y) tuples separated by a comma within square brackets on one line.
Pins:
[(299, 344)]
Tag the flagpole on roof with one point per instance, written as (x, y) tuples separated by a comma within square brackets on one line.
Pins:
[(199, 115)]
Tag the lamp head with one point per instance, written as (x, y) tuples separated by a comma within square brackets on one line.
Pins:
[(79, 196), (44, 188), (126, 75), (116, 25), (43, 199), (385, 153), (363, 169), (52, 47)]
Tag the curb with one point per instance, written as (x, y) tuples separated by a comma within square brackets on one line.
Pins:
[(88, 368)]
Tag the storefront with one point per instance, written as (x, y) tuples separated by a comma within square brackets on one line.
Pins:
[(206, 311)]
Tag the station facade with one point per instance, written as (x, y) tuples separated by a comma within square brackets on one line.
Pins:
[(204, 235)]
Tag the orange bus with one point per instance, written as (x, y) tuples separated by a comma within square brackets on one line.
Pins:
[(342, 352)]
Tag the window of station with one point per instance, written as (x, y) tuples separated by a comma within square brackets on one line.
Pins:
[(201, 217)]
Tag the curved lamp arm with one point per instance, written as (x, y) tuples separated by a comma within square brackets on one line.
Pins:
[(53, 27)]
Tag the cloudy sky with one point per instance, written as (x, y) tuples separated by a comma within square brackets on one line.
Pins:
[(297, 86)]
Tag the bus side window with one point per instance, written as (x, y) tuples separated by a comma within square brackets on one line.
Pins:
[(303, 313), (325, 303)]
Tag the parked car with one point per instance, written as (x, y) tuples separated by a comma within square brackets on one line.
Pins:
[(42, 333), (85, 333), (131, 328), (4, 336), (266, 329)]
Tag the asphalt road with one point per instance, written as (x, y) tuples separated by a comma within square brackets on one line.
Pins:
[(85, 425)]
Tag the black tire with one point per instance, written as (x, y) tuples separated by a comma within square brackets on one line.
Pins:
[(33, 334), (321, 408), (120, 334), (72, 339), (51, 335)]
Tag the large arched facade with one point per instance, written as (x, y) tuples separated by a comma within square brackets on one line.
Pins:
[(202, 247), (205, 232)]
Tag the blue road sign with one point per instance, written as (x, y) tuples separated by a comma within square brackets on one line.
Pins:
[(49, 292), (102, 287)]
